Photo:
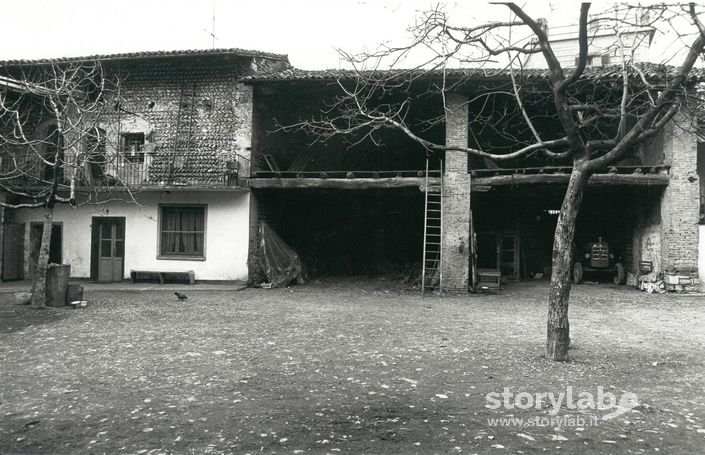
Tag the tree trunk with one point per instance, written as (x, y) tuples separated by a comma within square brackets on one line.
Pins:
[(558, 328), (39, 284)]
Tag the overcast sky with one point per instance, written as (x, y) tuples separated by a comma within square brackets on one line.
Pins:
[(307, 30)]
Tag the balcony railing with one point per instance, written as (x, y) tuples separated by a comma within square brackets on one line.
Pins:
[(144, 171)]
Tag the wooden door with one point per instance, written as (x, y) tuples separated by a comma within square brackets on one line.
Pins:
[(111, 250), (13, 252)]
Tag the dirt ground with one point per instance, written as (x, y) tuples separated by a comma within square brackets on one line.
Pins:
[(348, 367)]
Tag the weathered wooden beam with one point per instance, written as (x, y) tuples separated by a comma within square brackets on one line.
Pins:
[(349, 183), (596, 179), (478, 183)]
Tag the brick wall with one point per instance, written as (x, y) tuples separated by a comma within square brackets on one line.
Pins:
[(456, 202), (681, 199), (191, 107)]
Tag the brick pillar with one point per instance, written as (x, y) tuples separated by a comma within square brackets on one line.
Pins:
[(455, 246), (680, 203)]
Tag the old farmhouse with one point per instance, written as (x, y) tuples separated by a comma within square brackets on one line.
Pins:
[(206, 147)]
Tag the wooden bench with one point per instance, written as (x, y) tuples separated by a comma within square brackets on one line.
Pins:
[(162, 277)]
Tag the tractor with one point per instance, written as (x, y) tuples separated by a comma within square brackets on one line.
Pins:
[(597, 257)]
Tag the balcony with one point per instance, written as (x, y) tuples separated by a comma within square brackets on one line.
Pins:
[(141, 171), (169, 170)]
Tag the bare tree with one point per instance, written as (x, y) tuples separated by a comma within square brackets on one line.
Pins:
[(579, 117), (53, 139)]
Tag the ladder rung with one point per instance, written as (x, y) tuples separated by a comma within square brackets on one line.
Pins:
[(433, 229)]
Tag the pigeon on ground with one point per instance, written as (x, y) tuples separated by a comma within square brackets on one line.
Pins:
[(180, 296)]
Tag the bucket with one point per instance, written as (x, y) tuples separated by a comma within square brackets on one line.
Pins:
[(23, 298)]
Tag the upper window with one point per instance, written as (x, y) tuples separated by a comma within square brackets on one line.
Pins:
[(133, 146), (595, 60), (182, 231)]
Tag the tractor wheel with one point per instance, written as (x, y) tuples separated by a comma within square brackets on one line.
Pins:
[(577, 273), (619, 276)]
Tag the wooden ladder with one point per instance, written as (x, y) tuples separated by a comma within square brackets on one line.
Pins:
[(431, 274)]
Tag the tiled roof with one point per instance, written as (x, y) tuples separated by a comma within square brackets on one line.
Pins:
[(607, 72), (151, 54)]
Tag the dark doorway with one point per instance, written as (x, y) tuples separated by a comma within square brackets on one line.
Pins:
[(374, 232), (108, 249), (13, 252), (35, 242)]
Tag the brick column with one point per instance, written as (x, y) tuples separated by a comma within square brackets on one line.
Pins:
[(680, 203), (455, 265)]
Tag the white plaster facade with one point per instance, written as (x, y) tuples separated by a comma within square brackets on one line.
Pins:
[(226, 236)]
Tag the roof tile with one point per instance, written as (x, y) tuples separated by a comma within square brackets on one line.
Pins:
[(613, 71), (150, 54)]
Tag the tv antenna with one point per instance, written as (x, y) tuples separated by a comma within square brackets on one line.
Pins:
[(211, 32)]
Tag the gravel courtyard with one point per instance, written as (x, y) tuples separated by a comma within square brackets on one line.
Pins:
[(351, 366)]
